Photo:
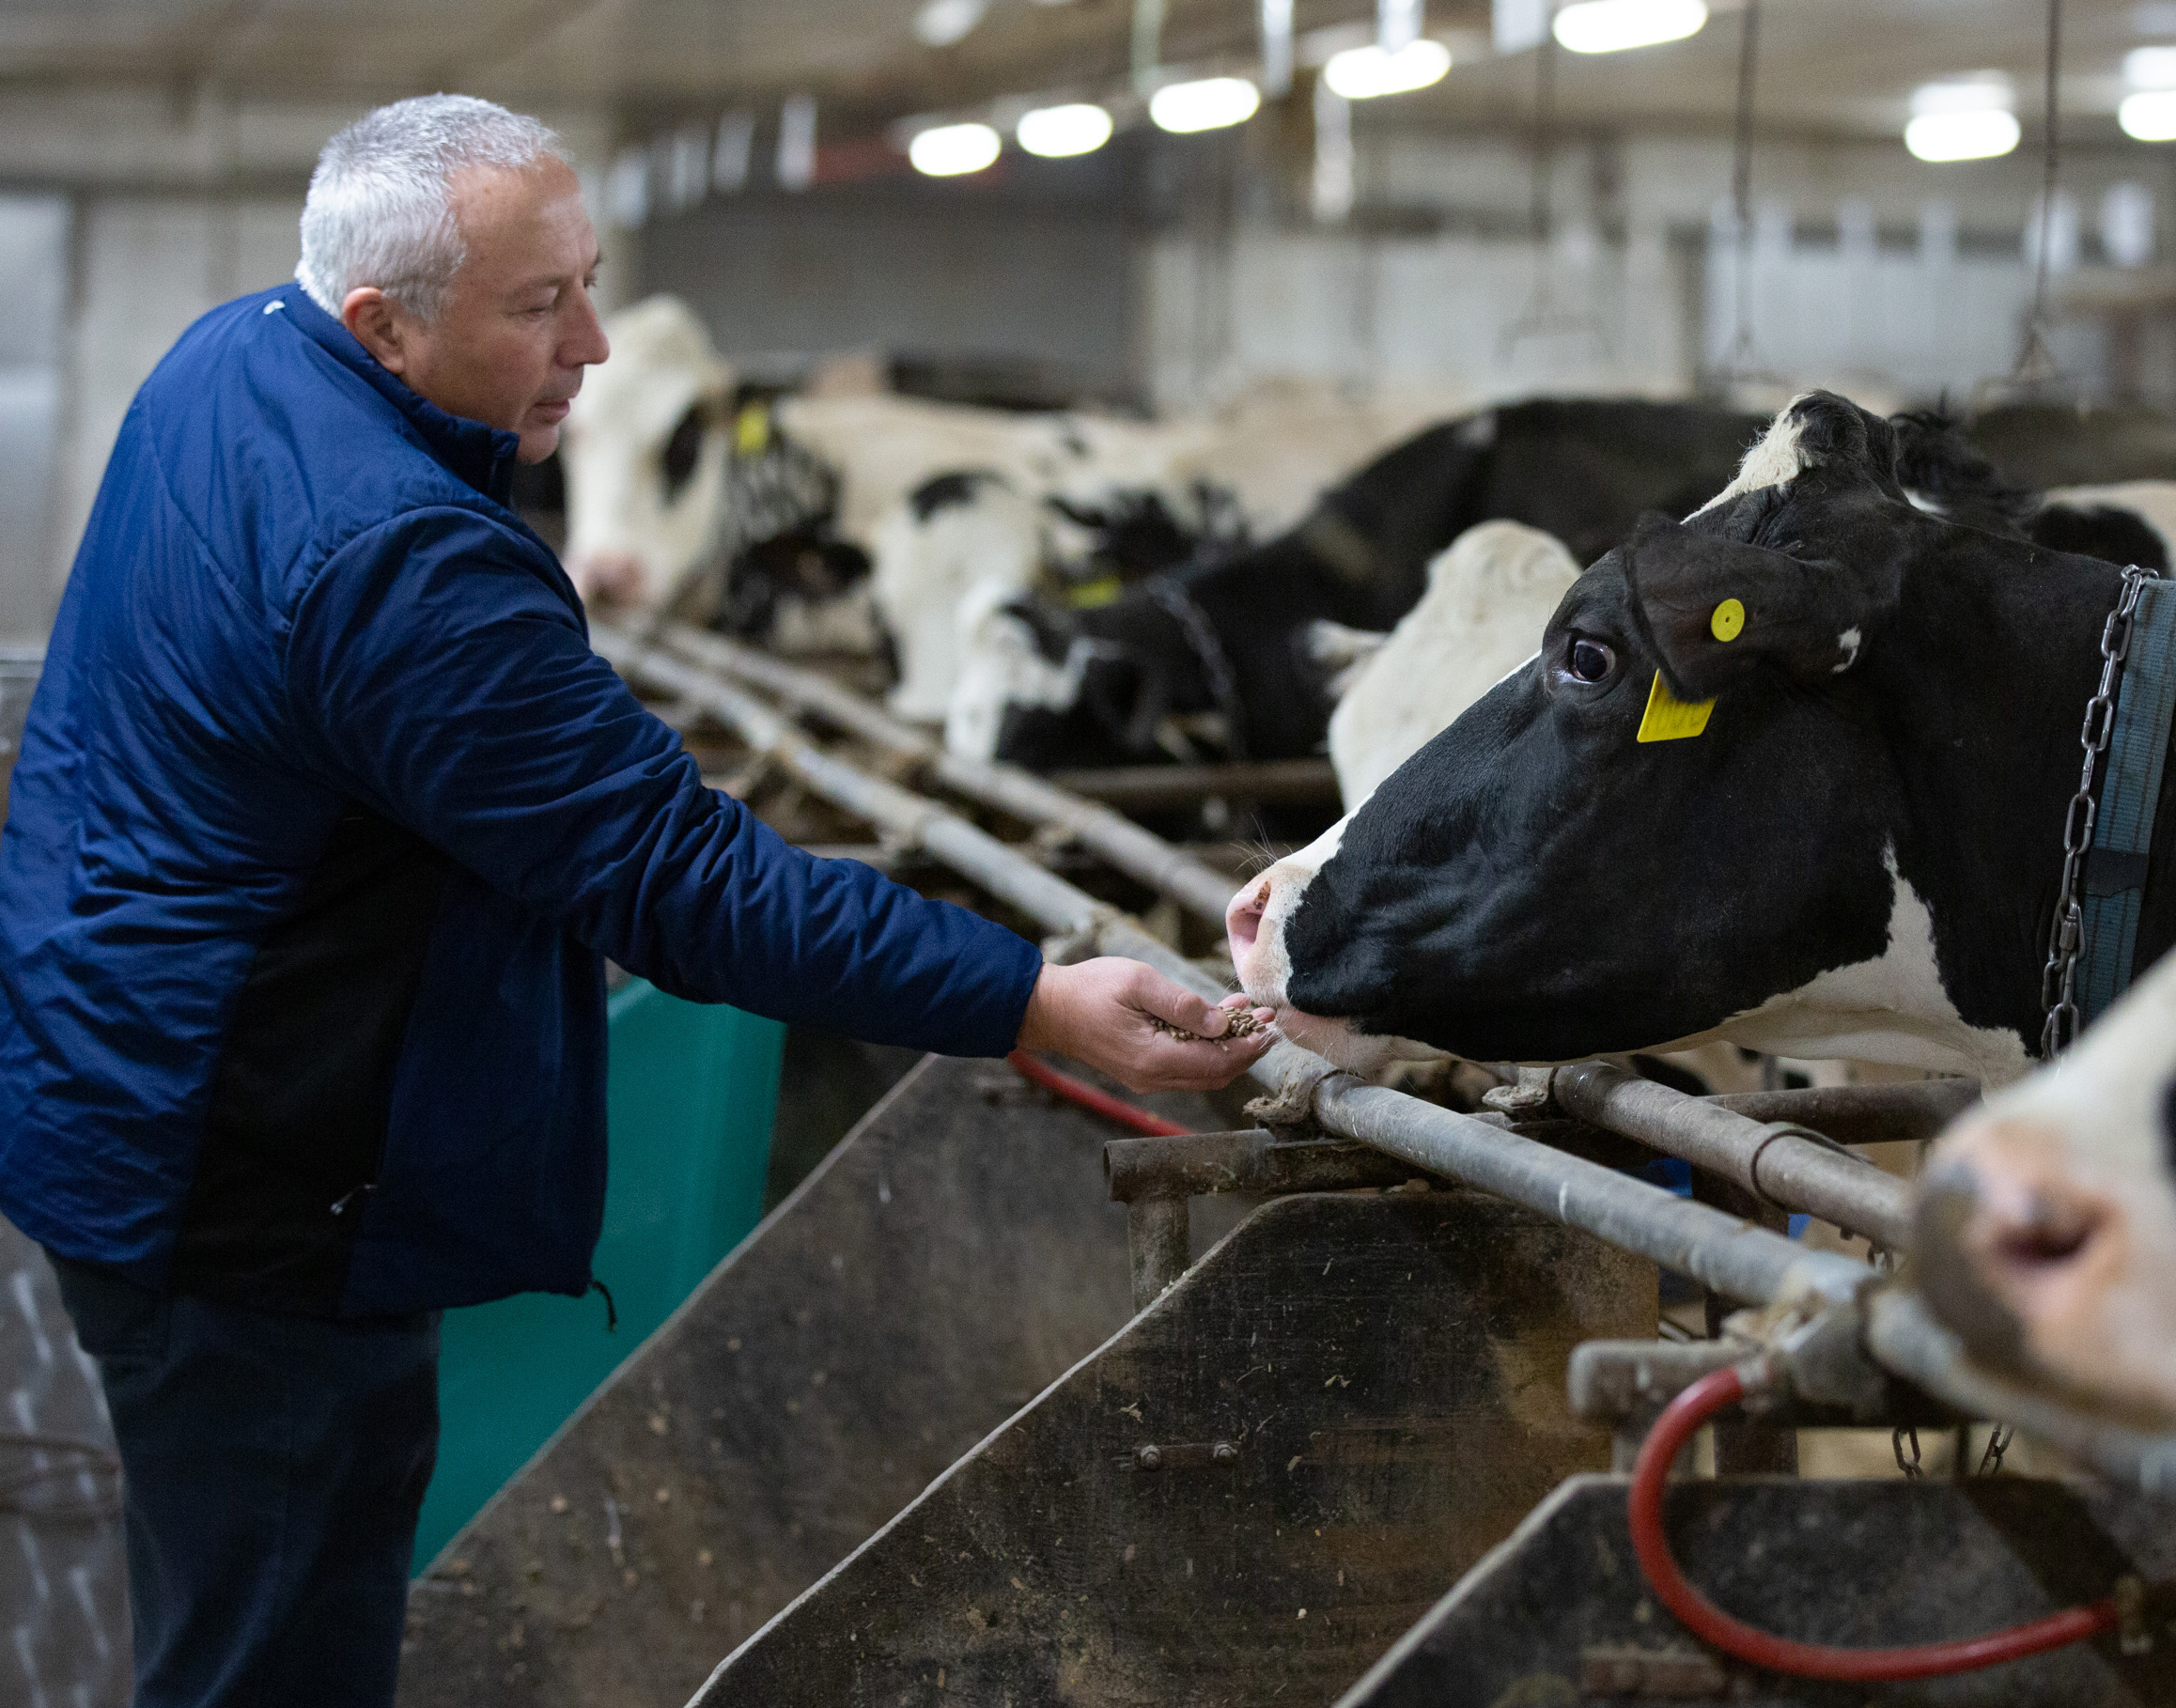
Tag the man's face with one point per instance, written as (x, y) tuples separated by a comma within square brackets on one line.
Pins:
[(517, 327)]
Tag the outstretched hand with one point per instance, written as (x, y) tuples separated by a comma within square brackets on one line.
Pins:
[(1104, 1012)]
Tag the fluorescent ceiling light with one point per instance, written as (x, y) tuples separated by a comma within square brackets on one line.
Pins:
[(2150, 68), (1055, 133), (1209, 104), (2149, 116), (1363, 72), (1947, 136), (1609, 27), (941, 23), (1967, 118), (949, 150)]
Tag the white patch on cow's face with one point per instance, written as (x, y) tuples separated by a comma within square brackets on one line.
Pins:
[(1892, 1009), (1930, 506), (624, 531), (2072, 1228), (1489, 600), (1256, 920), (1001, 665), (1848, 643), (1775, 461), (924, 568)]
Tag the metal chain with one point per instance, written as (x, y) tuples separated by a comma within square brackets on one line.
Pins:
[(2066, 934), (1911, 1467), (1997, 1444)]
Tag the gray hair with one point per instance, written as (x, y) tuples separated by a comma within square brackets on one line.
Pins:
[(379, 209)]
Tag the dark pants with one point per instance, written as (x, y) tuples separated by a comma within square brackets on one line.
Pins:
[(273, 1468)]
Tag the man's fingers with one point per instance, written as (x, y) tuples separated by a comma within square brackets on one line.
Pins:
[(1175, 1003), (1175, 1064)]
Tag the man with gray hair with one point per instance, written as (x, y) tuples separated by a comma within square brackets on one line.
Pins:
[(325, 822)]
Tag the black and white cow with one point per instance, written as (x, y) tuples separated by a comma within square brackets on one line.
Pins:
[(1846, 841), (1224, 647), (1945, 474), (2047, 1216), (829, 521)]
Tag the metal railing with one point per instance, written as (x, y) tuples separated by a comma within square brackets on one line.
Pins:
[(1839, 1326)]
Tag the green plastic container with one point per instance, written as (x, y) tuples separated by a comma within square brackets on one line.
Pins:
[(691, 1095)]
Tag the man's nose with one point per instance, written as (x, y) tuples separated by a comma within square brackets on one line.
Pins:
[(588, 345)]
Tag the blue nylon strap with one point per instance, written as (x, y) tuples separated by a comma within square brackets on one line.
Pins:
[(2115, 871)]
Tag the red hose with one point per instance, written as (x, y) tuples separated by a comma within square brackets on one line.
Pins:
[(1129, 1115), (1680, 1421)]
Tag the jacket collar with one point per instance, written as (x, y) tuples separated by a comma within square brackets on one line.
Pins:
[(480, 455)]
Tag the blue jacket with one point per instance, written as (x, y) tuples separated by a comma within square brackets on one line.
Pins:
[(324, 820)]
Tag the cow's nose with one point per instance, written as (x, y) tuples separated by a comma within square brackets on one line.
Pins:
[(1962, 1293), (615, 577), (1243, 918)]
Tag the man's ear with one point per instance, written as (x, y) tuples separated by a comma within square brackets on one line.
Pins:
[(1712, 608), (378, 325)]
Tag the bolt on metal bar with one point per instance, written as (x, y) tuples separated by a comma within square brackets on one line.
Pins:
[(1771, 1159), (1140, 854)]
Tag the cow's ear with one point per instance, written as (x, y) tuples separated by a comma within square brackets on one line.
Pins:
[(1712, 609), (1833, 429)]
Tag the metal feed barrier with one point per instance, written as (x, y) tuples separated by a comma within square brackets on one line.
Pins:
[(1260, 1478), (1888, 1332)]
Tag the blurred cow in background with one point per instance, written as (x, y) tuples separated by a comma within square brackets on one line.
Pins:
[(817, 523)]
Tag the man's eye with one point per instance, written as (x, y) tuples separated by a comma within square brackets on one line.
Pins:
[(1589, 661)]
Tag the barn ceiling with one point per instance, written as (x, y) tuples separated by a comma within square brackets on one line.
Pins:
[(1827, 65)]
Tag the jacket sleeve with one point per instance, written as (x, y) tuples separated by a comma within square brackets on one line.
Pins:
[(436, 672)]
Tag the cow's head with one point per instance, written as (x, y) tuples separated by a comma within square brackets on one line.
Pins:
[(1679, 820), (1038, 688), (646, 448), (2047, 1216)]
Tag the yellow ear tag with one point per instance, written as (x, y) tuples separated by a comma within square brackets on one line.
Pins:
[(1670, 718), (752, 430), (1729, 621)]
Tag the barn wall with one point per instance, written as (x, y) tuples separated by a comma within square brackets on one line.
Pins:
[(903, 271), (34, 239), (1869, 270)]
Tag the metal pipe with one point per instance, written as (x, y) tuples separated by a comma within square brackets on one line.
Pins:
[(1721, 1253), (1157, 1232), (1769, 1159), (1862, 1115), (1138, 853), (1301, 782), (1001, 870)]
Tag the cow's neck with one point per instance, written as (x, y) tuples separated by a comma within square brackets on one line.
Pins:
[(1995, 654)]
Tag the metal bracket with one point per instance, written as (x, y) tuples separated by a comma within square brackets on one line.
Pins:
[(1184, 1455)]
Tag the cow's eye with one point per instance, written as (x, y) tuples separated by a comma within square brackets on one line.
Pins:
[(1589, 661)]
